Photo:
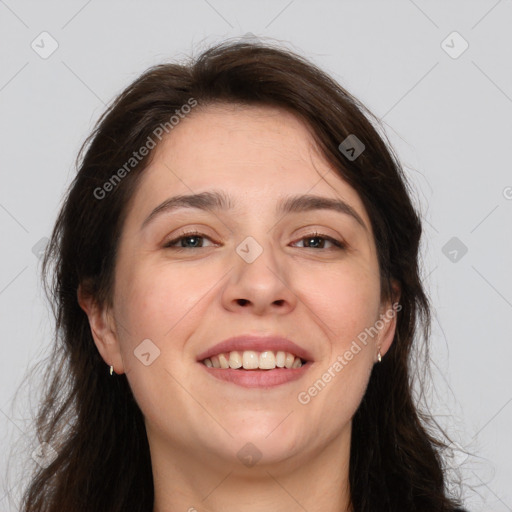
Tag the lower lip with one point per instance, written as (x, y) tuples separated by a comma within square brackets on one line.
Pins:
[(258, 378)]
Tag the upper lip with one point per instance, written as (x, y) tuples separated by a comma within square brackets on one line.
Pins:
[(258, 344)]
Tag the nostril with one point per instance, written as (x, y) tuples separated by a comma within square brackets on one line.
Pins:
[(242, 302)]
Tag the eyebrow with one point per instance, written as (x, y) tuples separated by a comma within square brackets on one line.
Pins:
[(218, 201)]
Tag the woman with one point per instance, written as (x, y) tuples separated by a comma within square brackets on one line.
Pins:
[(236, 292)]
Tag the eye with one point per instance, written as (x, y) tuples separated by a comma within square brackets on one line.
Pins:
[(190, 240), (195, 239), (318, 240)]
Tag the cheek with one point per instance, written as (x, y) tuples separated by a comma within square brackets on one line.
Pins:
[(164, 305), (345, 300), (160, 301), (346, 303)]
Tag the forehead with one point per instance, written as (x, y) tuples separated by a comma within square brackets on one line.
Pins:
[(255, 154), (239, 137)]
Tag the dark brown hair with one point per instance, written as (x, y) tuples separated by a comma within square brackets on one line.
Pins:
[(92, 420)]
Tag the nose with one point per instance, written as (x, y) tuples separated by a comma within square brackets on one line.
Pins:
[(259, 287)]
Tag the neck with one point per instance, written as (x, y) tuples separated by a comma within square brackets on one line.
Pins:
[(312, 480)]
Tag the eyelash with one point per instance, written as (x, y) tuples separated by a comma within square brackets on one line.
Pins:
[(337, 243)]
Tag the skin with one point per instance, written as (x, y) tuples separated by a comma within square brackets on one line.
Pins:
[(320, 296)]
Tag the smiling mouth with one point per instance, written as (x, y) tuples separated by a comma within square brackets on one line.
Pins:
[(252, 360)]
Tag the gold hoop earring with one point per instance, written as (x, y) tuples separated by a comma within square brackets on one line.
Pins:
[(111, 369)]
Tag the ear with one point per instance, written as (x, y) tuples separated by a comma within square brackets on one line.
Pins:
[(103, 330), (388, 313)]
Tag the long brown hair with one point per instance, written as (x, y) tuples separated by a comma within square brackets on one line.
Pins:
[(92, 421)]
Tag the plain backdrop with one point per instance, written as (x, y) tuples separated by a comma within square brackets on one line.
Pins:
[(438, 75)]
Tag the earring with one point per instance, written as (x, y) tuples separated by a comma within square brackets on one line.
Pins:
[(111, 369), (379, 356)]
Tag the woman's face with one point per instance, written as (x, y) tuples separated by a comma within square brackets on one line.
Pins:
[(251, 268)]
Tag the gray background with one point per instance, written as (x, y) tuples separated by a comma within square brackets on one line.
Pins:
[(448, 116)]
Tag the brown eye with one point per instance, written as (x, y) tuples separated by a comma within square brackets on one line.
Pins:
[(317, 241)]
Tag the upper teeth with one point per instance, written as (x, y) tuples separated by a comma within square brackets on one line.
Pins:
[(251, 360)]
